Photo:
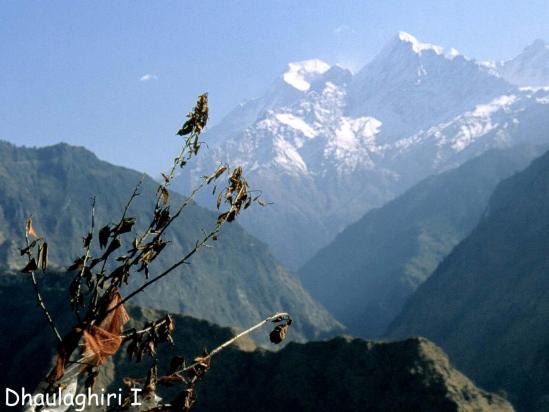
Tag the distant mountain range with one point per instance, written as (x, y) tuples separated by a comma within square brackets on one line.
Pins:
[(530, 68), (342, 374), (367, 273), (327, 145), (234, 283), (487, 303)]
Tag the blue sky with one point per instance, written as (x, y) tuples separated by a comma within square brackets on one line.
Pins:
[(73, 71)]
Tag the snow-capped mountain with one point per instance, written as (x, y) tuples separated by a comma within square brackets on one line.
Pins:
[(303, 156), (530, 68), (508, 120), (284, 91), (325, 146), (412, 85)]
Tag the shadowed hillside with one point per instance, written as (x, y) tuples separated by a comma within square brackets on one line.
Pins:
[(366, 274), (233, 283), (342, 374), (487, 304)]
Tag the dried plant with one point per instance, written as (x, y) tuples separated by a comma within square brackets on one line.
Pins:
[(94, 295)]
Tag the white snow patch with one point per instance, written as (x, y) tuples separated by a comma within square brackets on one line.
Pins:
[(299, 74), (419, 47), (352, 142), (463, 130), (296, 123), (288, 157), (484, 110), (479, 122), (534, 89)]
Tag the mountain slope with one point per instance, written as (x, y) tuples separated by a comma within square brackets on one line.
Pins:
[(326, 152), (366, 274), (516, 118), (232, 284), (412, 85), (342, 374), (487, 303), (529, 68)]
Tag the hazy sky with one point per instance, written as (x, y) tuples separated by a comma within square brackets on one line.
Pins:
[(119, 76)]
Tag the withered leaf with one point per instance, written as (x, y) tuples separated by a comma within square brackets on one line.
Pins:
[(231, 215), (30, 267), (278, 334), (221, 218), (29, 247), (164, 195), (87, 240), (115, 244), (119, 274), (162, 217), (219, 199), (218, 172), (29, 228), (151, 347), (77, 264), (150, 384), (132, 348), (43, 256), (186, 128), (124, 226), (248, 203), (104, 234)]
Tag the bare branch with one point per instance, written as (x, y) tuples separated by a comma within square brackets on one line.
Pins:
[(38, 295)]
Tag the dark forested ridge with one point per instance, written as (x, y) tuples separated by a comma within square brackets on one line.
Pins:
[(341, 374)]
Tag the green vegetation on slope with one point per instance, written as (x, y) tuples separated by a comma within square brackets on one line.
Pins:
[(233, 284), (487, 304), (366, 274)]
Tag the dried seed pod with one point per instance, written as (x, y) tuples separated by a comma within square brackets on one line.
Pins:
[(279, 333)]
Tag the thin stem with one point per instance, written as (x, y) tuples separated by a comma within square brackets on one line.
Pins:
[(277, 316), (198, 246), (184, 260), (129, 334), (187, 201), (39, 299), (134, 194), (86, 257), (44, 309), (167, 180)]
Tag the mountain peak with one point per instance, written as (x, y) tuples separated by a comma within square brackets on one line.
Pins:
[(530, 68), (300, 74), (403, 38), (537, 46)]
